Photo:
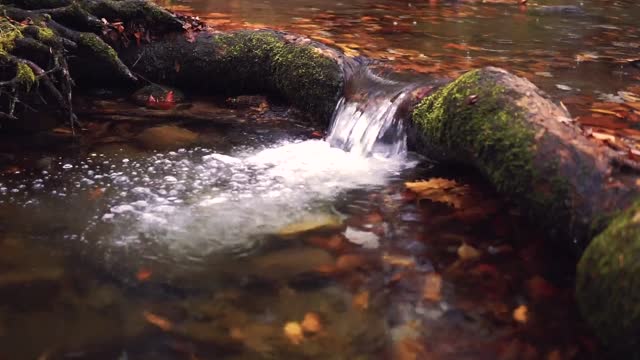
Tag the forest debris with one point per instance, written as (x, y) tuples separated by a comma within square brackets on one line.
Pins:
[(398, 260), (293, 332), (521, 314), (311, 323), (143, 274), (432, 290), (360, 300), (162, 323), (468, 252), (440, 190), (310, 223)]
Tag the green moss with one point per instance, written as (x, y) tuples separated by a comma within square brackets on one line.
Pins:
[(471, 116), (475, 120), (608, 284), (97, 47), (9, 33), (45, 34), (26, 77), (311, 81)]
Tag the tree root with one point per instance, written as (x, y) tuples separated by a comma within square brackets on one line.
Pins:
[(46, 43)]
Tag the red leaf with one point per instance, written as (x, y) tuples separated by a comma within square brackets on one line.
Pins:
[(169, 97)]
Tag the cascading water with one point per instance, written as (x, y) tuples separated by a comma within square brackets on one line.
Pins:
[(367, 120), (192, 203)]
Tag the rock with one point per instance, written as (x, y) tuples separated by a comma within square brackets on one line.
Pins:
[(159, 92), (527, 147), (608, 284), (166, 137), (311, 223), (289, 263)]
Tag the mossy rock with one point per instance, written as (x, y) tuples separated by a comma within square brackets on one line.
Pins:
[(608, 284), (159, 92), (510, 131)]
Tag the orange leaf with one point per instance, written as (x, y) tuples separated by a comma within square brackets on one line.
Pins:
[(143, 274), (521, 314), (158, 321), (607, 112), (169, 97), (293, 332), (361, 300), (432, 290), (311, 323)]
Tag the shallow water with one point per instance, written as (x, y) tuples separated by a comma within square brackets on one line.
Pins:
[(258, 240)]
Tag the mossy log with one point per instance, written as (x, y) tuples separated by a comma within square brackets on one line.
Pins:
[(305, 73)]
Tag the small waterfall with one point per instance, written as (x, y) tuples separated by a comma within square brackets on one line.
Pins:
[(367, 121)]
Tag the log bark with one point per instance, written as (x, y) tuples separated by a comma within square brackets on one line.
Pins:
[(307, 74)]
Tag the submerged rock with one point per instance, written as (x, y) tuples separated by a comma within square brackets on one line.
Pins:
[(166, 137), (288, 263)]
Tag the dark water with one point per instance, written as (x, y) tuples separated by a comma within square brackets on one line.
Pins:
[(589, 50)]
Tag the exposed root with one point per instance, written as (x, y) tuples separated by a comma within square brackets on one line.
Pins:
[(44, 43)]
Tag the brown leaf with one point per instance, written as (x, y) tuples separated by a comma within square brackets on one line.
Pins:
[(293, 332), (361, 300), (158, 321), (432, 290), (521, 314), (440, 190), (468, 252), (311, 323)]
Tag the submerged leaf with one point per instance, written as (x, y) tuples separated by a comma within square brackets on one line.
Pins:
[(432, 290), (440, 190), (158, 321), (293, 332), (521, 314)]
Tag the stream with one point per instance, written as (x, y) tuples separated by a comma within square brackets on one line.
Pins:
[(244, 233), (249, 235)]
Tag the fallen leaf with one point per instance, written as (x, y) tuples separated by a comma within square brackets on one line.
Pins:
[(96, 193), (143, 274), (432, 290), (361, 300), (440, 190), (158, 321), (293, 332), (468, 252), (397, 260), (563, 87), (311, 323), (521, 314), (608, 112)]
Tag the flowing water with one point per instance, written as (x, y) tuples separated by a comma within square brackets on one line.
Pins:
[(261, 238)]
